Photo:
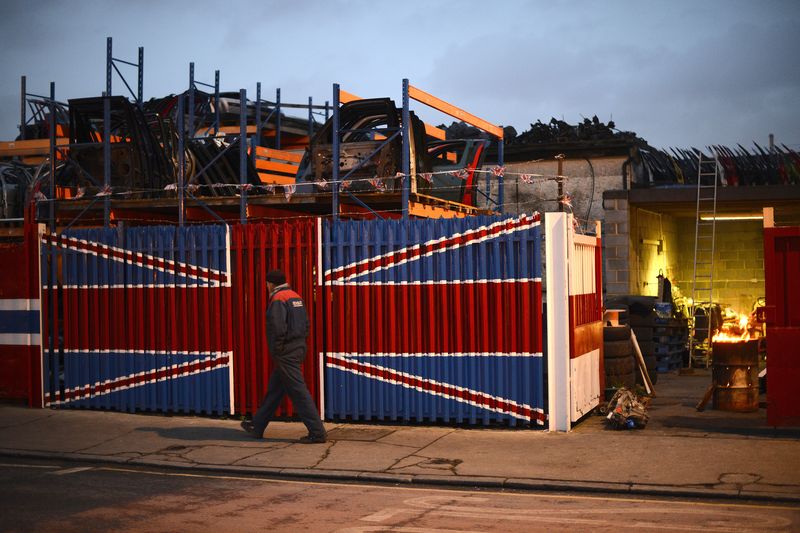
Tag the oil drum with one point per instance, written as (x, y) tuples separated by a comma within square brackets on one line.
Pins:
[(735, 374)]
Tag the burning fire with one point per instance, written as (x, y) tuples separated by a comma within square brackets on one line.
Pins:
[(735, 331)]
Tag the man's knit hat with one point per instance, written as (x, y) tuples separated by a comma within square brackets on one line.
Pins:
[(276, 277)]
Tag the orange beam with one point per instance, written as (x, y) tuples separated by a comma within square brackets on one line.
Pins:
[(345, 97), (275, 179), (282, 155), (231, 130), (417, 209), (433, 131), (29, 147), (263, 164), (456, 112), (436, 133)]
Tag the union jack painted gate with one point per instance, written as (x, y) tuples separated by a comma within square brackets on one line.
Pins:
[(434, 320), (138, 319)]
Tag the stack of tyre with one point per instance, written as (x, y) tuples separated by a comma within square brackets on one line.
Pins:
[(620, 365), (637, 315), (644, 331), (643, 321)]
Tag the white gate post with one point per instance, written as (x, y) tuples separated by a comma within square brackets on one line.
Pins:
[(557, 278)]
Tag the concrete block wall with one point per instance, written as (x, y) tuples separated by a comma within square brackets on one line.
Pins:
[(647, 258), (586, 181), (616, 246), (542, 194), (738, 262)]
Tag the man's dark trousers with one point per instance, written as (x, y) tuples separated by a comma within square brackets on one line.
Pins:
[(287, 378)]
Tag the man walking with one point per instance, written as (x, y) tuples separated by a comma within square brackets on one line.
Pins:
[(287, 329)]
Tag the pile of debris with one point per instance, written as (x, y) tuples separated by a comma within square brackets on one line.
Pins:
[(626, 410), (555, 131), (559, 131)]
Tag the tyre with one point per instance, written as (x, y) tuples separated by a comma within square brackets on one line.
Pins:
[(647, 347), (623, 315), (643, 333), (648, 320), (619, 365), (616, 333), (650, 364), (615, 349), (621, 380)]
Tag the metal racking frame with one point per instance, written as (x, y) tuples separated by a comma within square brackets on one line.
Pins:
[(193, 83), (186, 127), (409, 92), (111, 65)]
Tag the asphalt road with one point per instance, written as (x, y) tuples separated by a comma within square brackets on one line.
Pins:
[(42, 496)]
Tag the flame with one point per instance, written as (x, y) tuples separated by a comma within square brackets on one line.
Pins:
[(737, 330)]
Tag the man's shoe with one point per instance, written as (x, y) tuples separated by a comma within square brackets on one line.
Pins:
[(250, 428), (312, 439)]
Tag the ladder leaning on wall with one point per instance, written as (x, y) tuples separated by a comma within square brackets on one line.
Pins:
[(701, 326)]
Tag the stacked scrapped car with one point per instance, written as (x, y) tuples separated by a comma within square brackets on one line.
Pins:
[(371, 153), (139, 162)]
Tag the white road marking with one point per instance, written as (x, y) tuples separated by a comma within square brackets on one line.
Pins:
[(20, 465), (383, 515), (72, 470), (371, 529), (702, 519)]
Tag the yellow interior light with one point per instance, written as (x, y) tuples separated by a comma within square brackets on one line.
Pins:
[(731, 217)]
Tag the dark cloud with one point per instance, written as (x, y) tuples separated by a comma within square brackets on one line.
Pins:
[(679, 73)]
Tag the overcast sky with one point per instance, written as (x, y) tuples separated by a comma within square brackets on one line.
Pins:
[(678, 73)]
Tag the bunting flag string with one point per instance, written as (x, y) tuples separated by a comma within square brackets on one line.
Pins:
[(378, 182)]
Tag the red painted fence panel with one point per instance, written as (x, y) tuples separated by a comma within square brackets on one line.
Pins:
[(782, 284), (585, 323), (20, 352), (290, 246)]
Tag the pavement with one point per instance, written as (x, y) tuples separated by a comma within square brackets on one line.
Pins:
[(681, 452)]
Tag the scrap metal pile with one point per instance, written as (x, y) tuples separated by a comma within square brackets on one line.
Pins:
[(555, 131), (145, 146), (739, 166), (558, 131)]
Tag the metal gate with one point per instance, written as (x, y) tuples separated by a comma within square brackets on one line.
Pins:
[(585, 322), (137, 319), (434, 320), (782, 284), (574, 320)]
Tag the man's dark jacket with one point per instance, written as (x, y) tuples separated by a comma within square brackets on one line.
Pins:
[(287, 321)]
